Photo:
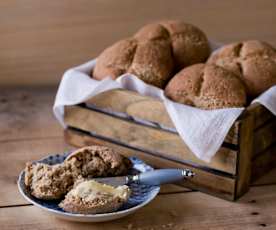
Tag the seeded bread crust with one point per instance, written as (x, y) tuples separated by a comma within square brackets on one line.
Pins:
[(154, 53), (98, 161), (77, 205), (190, 44), (50, 182), (103, 203), (207, 86), (253, 61)]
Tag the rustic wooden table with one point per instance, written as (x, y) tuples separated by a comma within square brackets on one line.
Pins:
[(29, 131)]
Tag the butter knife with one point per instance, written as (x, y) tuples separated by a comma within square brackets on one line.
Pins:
[(155, 177)]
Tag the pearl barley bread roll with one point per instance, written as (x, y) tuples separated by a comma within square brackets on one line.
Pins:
[(91, 197), (48, 182), (189, 44), (206, 86), (151, 61), (154, 53), (253, 61), (98, 161)]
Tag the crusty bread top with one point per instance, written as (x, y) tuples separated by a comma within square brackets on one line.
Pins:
[(190, 45), (98, 161), (116, 59), (206, 86), (154, 53), (253, 61)]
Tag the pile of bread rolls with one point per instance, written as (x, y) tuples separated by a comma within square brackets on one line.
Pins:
[(176, 57)]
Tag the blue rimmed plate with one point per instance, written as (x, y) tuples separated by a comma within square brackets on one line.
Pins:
[(140, 195)]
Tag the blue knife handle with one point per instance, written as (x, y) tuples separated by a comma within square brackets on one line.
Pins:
[(162, 176)]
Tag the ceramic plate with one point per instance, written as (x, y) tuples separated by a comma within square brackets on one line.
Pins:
[(140, 196)]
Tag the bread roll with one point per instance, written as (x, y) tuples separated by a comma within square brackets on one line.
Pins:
[(92, 197), (253, 61), (206, 86), (154, 53), (190, 45)]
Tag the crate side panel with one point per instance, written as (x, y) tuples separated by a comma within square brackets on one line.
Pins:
[(165, 144), (142, 107)]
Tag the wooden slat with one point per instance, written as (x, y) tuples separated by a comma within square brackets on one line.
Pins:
[(142, 107), (26, 113), (172, 188), (189, 211), (268, 178), (131, 103), (264, 162), (40, 39), (264, 136), (208, 182), (244, 154), (165, 144), (261, 114)]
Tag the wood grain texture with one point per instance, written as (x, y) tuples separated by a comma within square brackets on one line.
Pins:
[(142, 108), (208, 182), (13, 157), (26, 113), (266, 179), (189, 211), (166, 144), (131, 103), (263, 176), (264, 162), (41, 39), (264, 137), (261, 114), (245, 154)]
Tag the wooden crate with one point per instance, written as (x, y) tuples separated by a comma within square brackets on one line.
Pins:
[(140, 126)]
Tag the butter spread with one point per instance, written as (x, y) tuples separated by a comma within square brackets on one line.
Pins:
[(91, 189)]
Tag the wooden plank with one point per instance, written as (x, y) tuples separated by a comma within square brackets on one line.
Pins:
[(165, 144), (40, 39), (263, 162), (261, 114), (78, 139), (13, 157), (143, 108), (189, 211), (131, 103), (266, 179), (26, 113), (172, 188), (244, 155), (208, 182), (264, 136)]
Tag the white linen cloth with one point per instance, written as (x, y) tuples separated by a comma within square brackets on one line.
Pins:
[(202, 130)]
